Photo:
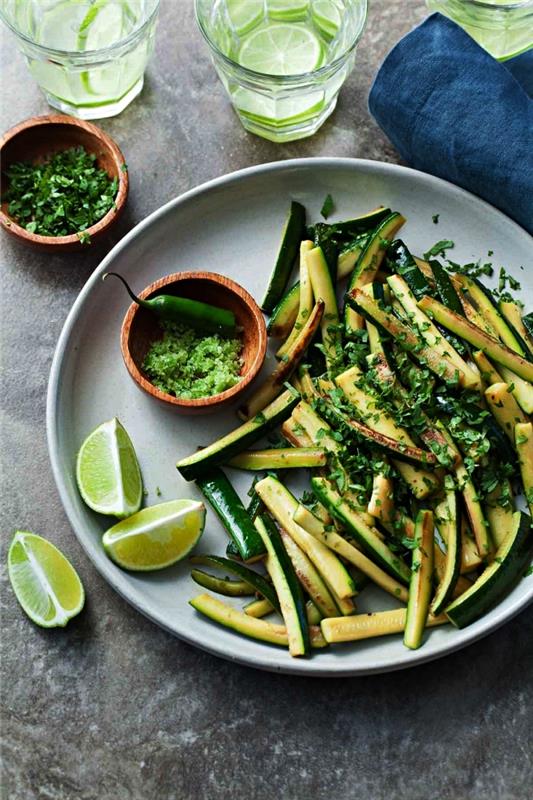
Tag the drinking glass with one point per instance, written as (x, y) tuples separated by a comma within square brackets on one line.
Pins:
[(282, 62), (88, 56)]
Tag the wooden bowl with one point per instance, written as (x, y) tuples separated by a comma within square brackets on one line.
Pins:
[(39, 137), (141, 328)]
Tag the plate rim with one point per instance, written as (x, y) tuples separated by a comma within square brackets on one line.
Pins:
[(262, 660)]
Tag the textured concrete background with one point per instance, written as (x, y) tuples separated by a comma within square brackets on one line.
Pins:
[(113, 708)]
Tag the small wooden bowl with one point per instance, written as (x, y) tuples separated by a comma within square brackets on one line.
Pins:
[(141, 328), (39, 137)]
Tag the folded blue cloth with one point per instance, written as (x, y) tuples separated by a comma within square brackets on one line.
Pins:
[(452, 110)]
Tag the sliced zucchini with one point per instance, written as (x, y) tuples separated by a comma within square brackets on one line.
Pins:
[(470, 558), (258, 608), (521, 390), (404, 336), (504, 408), (430, 334), (513, 314), (323, 289), (373, 438), (286, 584), (400, 260), (498, 512), (439, 560), (249, 576), (364, 534), (280, 458), (371, 625), (448, 522), (488, 308), (348, 257), (478, 523), (239, 439), (273, 385), (293, 233), (445, 288), (489, 374), (228, 506), (313, 613), (477, 338), (381, 503), (421, 581), (421, 482), (352, 555), (282, 505), (362, 224), (368, 265), (283, 317), (295, 433), (305, 299), (524, 446), (250, 626), (225, 586), (510, 563), (310, 578)]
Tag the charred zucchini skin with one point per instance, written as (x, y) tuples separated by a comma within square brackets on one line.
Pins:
[(228, 506), (289, 591), (510, 563), (236, 441), (284, 314), (399, 259), (259, 583), (293, 233)]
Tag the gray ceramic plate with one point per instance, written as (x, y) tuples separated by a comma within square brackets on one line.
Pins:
[(232, 225)]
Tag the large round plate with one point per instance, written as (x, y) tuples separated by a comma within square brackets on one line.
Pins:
[(232, 225)]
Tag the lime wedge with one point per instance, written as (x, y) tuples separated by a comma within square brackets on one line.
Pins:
[(46, 584), (244, 14), (156, 537), (107, 471), (59, 25), (326, 16), (281, 49), (287, 10)]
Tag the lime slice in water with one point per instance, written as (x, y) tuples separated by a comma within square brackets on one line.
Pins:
[(244, 14), (281, 49), (46, 584), (266, 111), (156, 537), (107, 471), (287, 10), (326, 16)]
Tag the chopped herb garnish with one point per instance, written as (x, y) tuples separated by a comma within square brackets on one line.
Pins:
[(64, 195), (435, 219), (439, 249), (327, 206)]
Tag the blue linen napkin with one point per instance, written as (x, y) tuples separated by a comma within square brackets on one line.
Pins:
[(452, 110)]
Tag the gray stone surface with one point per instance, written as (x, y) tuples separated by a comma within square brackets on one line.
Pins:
[(112, 708)]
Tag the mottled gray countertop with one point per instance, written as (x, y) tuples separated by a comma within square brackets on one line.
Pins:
[(112, 708)]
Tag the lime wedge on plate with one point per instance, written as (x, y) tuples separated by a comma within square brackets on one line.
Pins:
[(244, 14), (156, 537), (281, 49), (107, 471), (326, 16), (46, 584)]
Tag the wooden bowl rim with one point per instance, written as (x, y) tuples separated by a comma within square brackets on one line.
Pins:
[(202, 402), (110, 145)]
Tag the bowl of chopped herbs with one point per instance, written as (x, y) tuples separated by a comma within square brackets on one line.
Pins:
[(64, 182), (193, 340)]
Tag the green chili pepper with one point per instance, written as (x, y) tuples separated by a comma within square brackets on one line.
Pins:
[(198, 315)]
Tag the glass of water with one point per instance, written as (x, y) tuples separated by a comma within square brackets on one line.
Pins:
[(282, 62), (88, 56)]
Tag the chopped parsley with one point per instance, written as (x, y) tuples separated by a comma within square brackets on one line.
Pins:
[(439, 248), (65, 194), (327, 206)]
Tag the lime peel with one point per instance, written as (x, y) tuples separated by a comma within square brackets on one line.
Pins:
[(45, 583), (157, 536)]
